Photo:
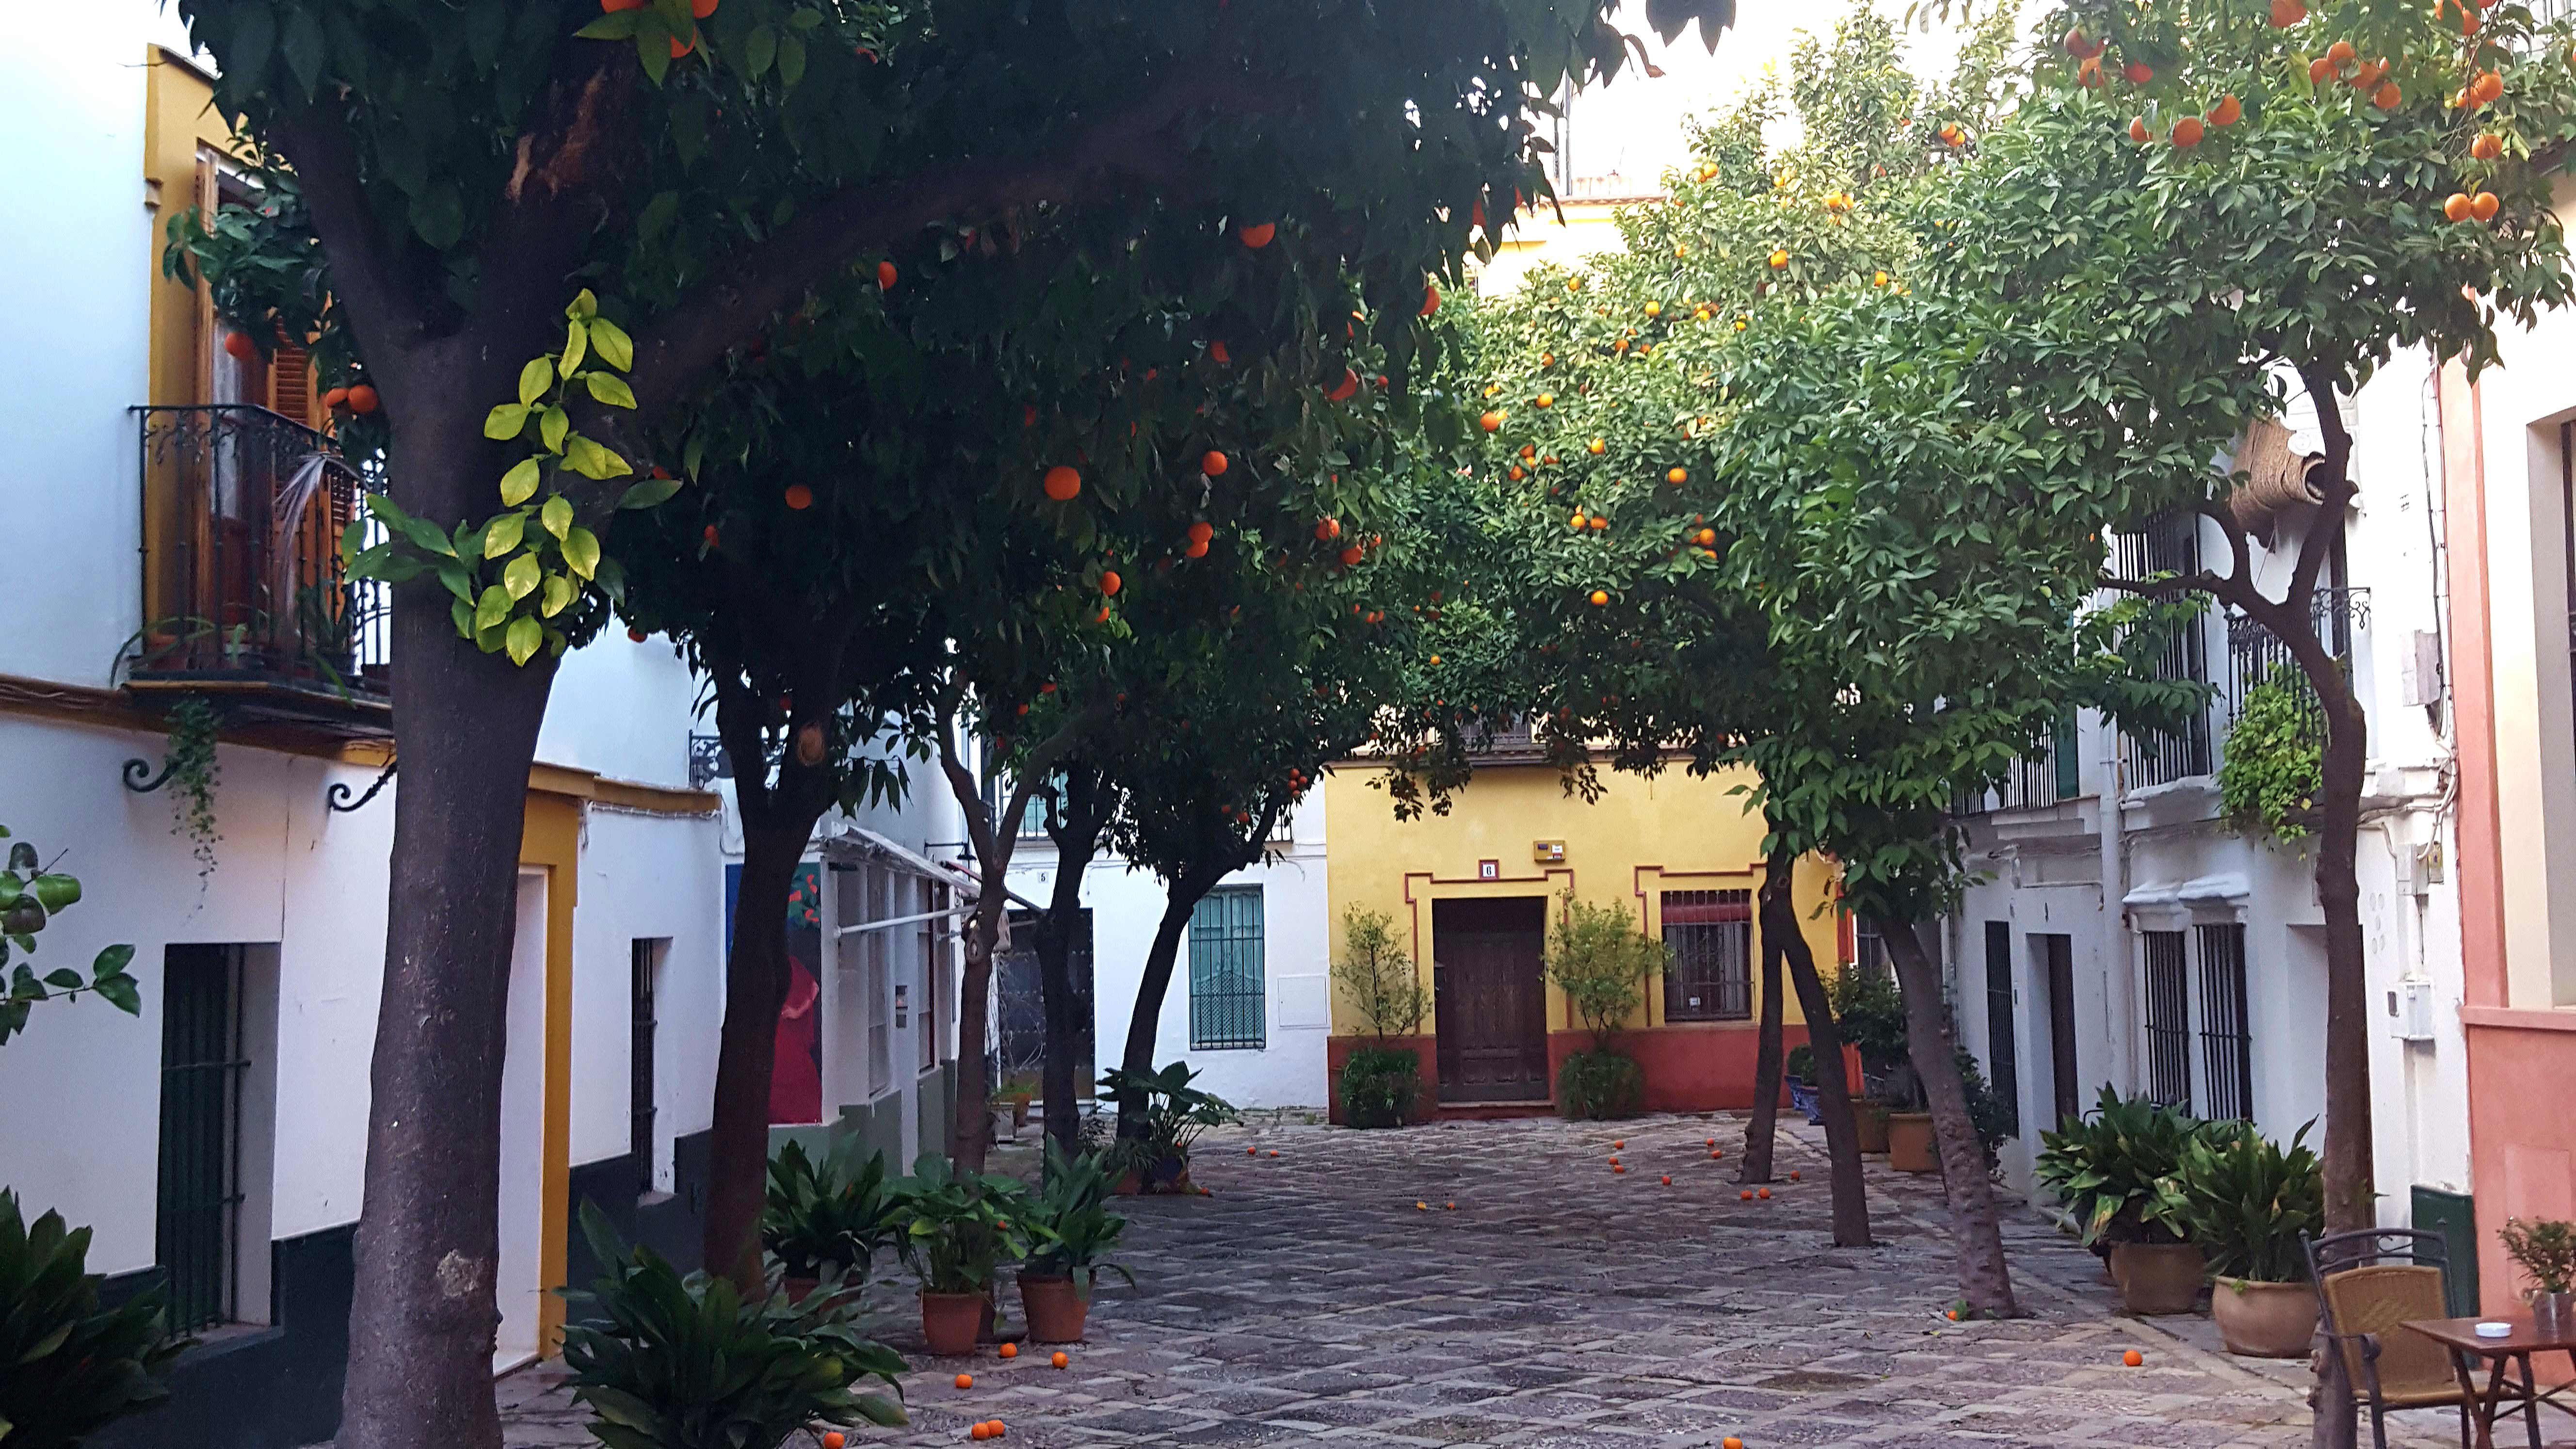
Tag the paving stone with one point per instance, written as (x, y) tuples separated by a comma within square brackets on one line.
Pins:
[(1560, 1306)]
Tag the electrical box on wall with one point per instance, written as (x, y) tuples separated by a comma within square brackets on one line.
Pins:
[(1548, 852), (2410, 1010)]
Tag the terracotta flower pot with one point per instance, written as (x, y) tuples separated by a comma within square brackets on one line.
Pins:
[(2264, 1320), (1869, 1124), (1909, 1142), (799, 1289), (2157, 1277), (1019, 1111), (1129, 1183), (1055, 1311), (950, 1321)]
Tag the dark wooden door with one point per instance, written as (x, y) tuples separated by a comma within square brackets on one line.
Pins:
[(2060, 955), (1489, 999)]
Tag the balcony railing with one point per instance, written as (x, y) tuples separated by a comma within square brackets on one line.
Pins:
[(2037, 779), (244, 510), (2253, 654)]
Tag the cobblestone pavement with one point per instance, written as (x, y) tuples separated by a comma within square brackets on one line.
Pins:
[(1559, 1305)]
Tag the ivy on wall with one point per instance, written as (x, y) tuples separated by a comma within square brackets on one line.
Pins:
[(2273, 771)]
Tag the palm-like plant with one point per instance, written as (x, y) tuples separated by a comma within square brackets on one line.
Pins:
[(2246, 1200), (68, 1368), (2109, 1167), (826, 1221), (1174, 1114), (954, 1228), (1070, 1223)]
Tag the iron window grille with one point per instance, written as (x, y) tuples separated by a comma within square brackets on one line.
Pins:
[(645, 955), (1227, 990), (2226, 1036), (2003, 1062), (2168, 1020), (1708, 945), (202, 1066), (1869, 950), (2169, 544)]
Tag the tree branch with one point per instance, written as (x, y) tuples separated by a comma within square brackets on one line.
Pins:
[(779, 271), (2335, 497), (386, 318), (577, 140), (2239, 550)]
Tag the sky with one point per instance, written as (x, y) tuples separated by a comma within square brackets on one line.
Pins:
[(1633, 126)]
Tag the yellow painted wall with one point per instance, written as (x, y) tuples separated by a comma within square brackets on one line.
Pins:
[(550, 840), (1588, 228), (1642, 837)]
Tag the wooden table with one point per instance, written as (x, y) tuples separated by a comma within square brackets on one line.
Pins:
[(2460, 1335)]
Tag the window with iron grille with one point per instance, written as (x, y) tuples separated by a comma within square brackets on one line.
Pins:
[(645, 969), (2168, 1020), (2169, 544), (202, 1063), (2003, 1063), (2226, 1037), (1227, 991), (1708, 945)]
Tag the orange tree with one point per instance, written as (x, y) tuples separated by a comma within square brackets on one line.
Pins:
[(698, 167), (2209, 209)]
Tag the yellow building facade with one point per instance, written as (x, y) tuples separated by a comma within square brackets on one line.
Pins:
[(1473, 893)]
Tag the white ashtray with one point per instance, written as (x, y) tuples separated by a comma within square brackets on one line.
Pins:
[(2495, 1330)]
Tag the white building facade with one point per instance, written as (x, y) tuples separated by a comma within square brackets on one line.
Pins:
[(2123, 933)]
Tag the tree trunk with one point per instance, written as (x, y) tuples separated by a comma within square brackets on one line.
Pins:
[(424, 1319), (971, 1122), (756, 979), (1985, 1282), (1833, 1089), (1150, 990), (1062, 1086), (2352, 1200), (1760, 1132)]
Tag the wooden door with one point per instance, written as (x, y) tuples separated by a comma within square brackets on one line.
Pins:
[(1489, 999), (2060, 951)]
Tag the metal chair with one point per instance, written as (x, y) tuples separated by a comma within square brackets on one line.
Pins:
[(2369, 1282)]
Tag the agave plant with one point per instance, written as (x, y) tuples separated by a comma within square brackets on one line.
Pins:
[(2110, 1167), (688, 1363), (829, 1220), (2246, 1200), (68, 1368)]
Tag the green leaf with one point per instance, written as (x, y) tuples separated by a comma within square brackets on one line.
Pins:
[(590, 459), (54, 891), (581, 551), (556, 516), (520, 483), (576, 347), (503, 533), (505, 421), (552, 424), (652, 49), (583, 306), (791, 60), (650, 223), (615, 25), (438, 214), (534, 379), (492, 609), (556, 591), (649, 493), (303, 47), (457, 581), (64, 978), (525, 637), (609, 389), (758, 50), (353, 539), (521, 575), (611, 342), (424, 533), (462, 611)]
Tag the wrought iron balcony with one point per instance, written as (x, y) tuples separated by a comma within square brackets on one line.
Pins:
[(248, 596), (2253, 654)]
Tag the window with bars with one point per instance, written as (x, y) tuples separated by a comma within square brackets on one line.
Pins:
[(1708, 946), (2168, 1020), (645, 971), (1869, 949), (1227, 991), (2003, 1061), (2226, 1036), (202, 1066), (2169, 544)]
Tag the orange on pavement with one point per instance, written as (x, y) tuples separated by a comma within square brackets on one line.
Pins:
[(1010, 1350), (2133, 1358), (965, 1381), (1060, 1360)]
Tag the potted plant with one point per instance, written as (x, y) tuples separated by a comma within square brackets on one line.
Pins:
[(1380, 1082), (68, 1367), (1017, 1094), (1071, 1230), (1800, 1073), (687, 1363), (2245, 1202), (1870, 1014), (1169, 1115), (825, 1222), (953, 1231), (2545, 1250), (2110, 1168), (1601, 964)]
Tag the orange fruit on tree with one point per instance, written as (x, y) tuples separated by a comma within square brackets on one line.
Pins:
[(1597, 446), (1201, 532), (1351, 556), (2485, 88), (2286, 13), (2228, 111), (2455, 207), (1430, 298), (2486, 147), (1110, 583), (2088, 73), (681, 47), (2080, 48), (1577, 521), (1327, 529), (1654, 309), (2187, 132), (2484, 206), (340, 395), (1544, 400), (702, 8), (799, 497), (1213, 464), (2340, 53), (1257, 237), (2320, 70), (885, 276), (239, 345), (1216, 351), (1342, 390), (2138, 129), (1779, 259), (2388, 97), (1599, 523), (1062, 483), (1599, 598), (613, 6), (2138, 72), (362, 399), (1677, 476), (709, 534)]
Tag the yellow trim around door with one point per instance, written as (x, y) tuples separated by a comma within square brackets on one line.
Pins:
[(551, 841)]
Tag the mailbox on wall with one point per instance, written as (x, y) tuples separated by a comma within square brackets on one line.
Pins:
[(1548, 852)]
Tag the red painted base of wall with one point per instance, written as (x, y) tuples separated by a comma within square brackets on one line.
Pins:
[(1688, 1068)]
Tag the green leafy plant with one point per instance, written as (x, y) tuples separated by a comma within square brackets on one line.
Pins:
[(1993, 1120), (2275, 762), (1870, 1013), (1379, 1085), (688, 1363), (1601, 962), (955, 1228), (1070, 1225), (1801, 1063), (192, 774), (67, 1367), (30, 898), (1172, 1112), (1378, 977), (826, 1220), (2246, 1199), (2110, 1167), (1599, 1084), (2545, 1249)]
